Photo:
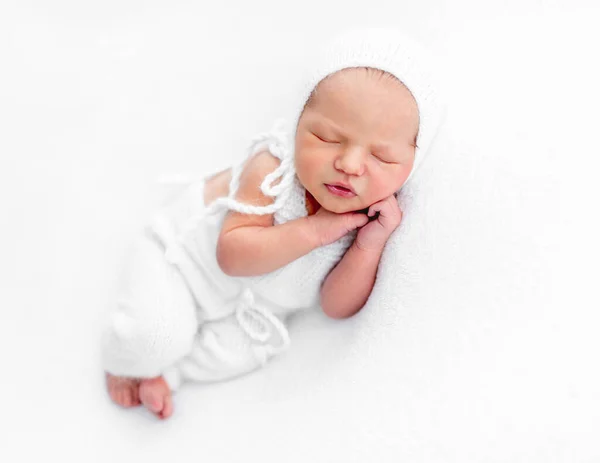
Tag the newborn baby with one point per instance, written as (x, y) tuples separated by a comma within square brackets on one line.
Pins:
[(301, 223)]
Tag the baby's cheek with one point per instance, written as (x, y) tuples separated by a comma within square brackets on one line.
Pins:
[(304, 169), (310, 163), (382, 186)]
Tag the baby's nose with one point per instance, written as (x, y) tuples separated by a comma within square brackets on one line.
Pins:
[(351, 162)]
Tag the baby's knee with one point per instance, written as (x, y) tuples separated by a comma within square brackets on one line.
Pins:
[(143, 348)]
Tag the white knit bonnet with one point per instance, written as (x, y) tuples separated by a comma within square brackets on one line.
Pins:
[(392, 51)]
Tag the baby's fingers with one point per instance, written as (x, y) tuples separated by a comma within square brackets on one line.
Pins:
[(382, 207), (389, 211), (374, 209), (352, 220), (358, 220)]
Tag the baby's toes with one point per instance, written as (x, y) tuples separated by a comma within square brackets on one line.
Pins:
[(156, 397), (167, 410), (123, 391), (128, 396), (113, 393), (135, 396), (151, 400), (123, 397), (116, 393)]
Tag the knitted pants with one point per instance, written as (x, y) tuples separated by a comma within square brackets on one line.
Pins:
[(155, 329)]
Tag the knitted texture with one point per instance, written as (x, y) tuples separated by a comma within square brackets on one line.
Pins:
[(154, 321)]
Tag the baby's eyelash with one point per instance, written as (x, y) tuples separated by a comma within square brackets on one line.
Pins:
[(383, 160), (374, 155), (323, 140)]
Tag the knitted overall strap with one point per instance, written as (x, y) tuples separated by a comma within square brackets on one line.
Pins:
[(254, 319), (278, 144), (276, 140)]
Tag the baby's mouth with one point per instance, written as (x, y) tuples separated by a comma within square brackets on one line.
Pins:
[(340, 187), (340, 190)]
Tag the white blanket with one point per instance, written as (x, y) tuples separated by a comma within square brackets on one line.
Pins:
[(472, 346)]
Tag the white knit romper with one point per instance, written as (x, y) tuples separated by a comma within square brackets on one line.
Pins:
[(181, 317)]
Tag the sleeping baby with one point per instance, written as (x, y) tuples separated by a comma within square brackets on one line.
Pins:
[(300, 223)]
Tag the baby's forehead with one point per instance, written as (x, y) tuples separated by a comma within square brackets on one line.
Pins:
[(363, 95), (348, 77), (349, 81)]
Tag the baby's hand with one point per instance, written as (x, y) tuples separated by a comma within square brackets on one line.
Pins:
[(329, 226), (386, 216)]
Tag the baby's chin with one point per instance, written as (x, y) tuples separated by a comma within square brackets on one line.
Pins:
[(340, 205), (344, 205)]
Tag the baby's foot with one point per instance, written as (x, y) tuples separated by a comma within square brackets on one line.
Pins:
[(156, 396), (123, 391)]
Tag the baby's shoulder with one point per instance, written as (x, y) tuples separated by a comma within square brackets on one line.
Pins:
[(254, 171), (248, 191), (258, 166)]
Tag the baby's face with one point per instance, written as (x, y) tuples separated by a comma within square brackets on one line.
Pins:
[(358, 130)]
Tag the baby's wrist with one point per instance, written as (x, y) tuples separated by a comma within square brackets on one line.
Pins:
[(311, 231), (369, 244)]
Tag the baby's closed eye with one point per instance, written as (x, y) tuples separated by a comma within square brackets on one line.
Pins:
[(324, 139), (382, 159)]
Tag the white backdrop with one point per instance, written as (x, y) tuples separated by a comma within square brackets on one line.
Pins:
[(496, 354)]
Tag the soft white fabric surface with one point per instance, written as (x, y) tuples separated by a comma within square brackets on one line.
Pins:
[(480, 341)]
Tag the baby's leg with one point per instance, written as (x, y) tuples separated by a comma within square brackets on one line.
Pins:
[(222, 350), (154, 324)]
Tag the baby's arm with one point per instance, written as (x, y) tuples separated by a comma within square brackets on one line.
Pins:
[(348, 286), (252, 245)]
